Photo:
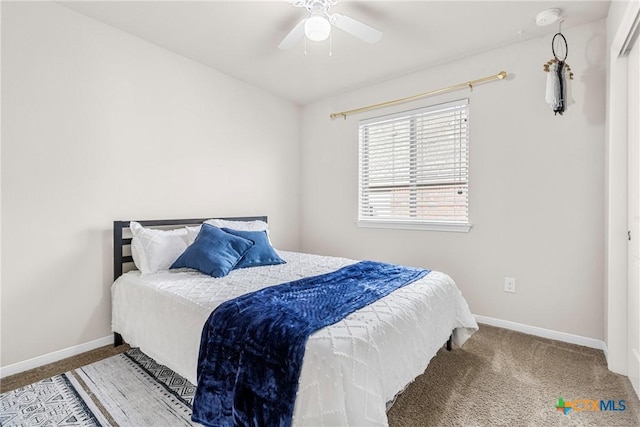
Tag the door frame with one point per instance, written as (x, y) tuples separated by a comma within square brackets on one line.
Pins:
[(616, 328), (633, 300)]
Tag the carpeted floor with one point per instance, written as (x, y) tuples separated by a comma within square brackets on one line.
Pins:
[(24, 378), (499, 377), (505, 378)]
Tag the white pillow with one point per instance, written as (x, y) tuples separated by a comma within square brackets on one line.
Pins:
[(192, 233), (257, 225), (239, 225), (155, 250)]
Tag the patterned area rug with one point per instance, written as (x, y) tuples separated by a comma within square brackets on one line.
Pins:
[(129, 389)]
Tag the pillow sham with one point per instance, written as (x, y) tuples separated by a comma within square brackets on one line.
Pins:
[(213, 252), (192, 233), (256, 225), (261, 253), (155, 250)]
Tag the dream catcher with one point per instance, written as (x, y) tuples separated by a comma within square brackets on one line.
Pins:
[(559, 76)]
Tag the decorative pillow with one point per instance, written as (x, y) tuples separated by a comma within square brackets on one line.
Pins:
[(214, 252), (155, 250), (262, 253)]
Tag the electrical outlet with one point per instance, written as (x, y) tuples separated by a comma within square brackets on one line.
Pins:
[(510, 284)]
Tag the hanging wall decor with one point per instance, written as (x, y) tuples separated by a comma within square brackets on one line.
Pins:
[(559, 75)]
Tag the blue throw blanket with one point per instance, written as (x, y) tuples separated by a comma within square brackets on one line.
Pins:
[(252, 347)]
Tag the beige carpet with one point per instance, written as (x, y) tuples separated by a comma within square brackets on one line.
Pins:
[(499, 378), (505, 378)]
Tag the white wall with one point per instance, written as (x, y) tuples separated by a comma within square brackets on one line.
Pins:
[(536, 186), (98, 126)]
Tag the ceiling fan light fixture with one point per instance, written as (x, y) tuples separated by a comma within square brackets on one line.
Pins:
[(317, 28)]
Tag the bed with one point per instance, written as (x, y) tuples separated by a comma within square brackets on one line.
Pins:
[(352, 370)]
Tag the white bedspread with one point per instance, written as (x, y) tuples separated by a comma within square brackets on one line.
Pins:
[(350, 369)]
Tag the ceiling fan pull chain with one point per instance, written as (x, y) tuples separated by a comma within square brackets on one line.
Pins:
[(305, 46)]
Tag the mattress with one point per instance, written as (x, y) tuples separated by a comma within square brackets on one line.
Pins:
[(351, 369)]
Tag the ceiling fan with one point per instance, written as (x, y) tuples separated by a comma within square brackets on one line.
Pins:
[(317, 26)]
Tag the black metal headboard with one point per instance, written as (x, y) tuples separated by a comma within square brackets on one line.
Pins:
[(120, 242)]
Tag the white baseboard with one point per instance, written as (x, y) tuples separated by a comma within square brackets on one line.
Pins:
[(56, 356), (544, 333)]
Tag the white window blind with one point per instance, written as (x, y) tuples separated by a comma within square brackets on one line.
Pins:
[(414, 166)]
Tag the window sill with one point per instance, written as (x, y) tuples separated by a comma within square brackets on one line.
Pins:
[(407, 225)]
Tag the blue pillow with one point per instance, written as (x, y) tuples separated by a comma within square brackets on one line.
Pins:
[(261, 253), (214, 252)]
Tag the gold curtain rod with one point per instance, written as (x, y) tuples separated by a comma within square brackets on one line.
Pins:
[(470, 84)]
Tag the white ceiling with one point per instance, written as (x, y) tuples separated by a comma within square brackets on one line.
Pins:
[(240, 38)]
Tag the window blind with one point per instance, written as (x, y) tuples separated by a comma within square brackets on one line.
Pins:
[(414, 166)]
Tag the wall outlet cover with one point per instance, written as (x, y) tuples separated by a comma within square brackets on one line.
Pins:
[(510, 284)]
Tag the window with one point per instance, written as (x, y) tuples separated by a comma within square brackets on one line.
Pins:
[(414, 169)]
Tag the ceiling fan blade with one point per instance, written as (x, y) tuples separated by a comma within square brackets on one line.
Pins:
[(356, 28), (293, 37)]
